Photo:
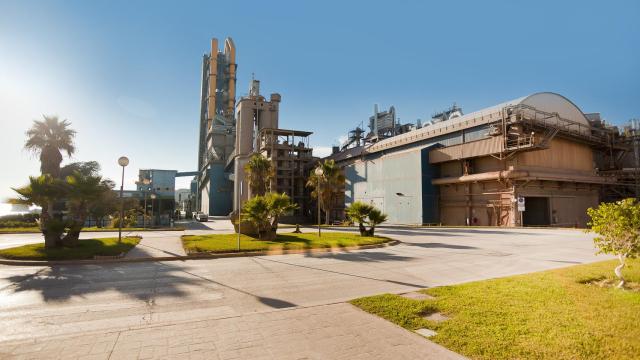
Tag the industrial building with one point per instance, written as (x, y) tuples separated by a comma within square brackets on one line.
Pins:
[(217, 128), (231, 133), (536, 160)]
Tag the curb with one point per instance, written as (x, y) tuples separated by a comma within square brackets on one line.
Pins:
[(194, 257)]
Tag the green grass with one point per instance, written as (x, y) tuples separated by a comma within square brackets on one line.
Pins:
[(86, 249), (36, 229), (228, 242), (554, 314)]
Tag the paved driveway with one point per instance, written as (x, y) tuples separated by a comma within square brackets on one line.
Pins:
[(124, 299)]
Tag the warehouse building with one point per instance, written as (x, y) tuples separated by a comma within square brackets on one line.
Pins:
[(536, 160)]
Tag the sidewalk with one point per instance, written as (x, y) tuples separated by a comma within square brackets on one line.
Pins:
[(336, 331), (159, 244)]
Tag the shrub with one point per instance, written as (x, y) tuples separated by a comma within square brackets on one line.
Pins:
[(363, 213), (618, 227)]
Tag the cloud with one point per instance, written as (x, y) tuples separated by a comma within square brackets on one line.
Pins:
[(342, 139), (322, 151)]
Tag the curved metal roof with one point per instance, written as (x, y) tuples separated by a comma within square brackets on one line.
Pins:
[(544, 101)]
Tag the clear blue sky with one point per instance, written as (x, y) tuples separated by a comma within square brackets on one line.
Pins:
[(127, 73)]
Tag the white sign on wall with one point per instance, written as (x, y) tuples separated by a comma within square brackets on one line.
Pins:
[(520, 203)]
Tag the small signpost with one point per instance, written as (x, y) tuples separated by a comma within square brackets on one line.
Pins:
[(520, 203), (521, 208)]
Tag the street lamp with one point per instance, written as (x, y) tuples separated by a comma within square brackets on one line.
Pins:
[(319, 174), (122, 161), (153, 215)]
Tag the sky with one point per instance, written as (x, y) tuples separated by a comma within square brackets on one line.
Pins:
[(126, 74)]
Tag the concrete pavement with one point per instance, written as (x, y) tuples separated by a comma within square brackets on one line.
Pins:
[(69, 302)]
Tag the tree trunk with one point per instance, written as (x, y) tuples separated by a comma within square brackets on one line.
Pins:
[(363, 230), (618, 271), (51, 236), (371, 231)]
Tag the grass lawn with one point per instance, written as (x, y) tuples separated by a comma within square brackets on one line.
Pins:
[(228, 242), (557, 314), (85, 250), (90, 229)]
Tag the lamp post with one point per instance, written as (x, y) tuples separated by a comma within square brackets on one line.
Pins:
[(319, 174), (153, 216), (122, 161)]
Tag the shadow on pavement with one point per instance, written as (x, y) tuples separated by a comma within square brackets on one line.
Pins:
[(142, 281), (60, 283), (194, 225), (439, 245), (347, 274), (368, 256)]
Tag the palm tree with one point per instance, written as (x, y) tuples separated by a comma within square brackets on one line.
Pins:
[(358, 212), (264, 212), (362, 214), (83, 191), (48, 138), (43, 191), (376, 217), (259, 169), (279, 204), (331, 186), (256, 211)]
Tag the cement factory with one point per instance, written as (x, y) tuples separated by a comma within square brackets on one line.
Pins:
[(534, 161)]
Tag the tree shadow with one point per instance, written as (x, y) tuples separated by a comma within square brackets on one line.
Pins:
[(361, 256), (285, 238), (142, 281), (193, 225), (436, 245), (341, 256), (417, 232)]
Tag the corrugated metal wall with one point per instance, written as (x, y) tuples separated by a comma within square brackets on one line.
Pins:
[(390, 182)]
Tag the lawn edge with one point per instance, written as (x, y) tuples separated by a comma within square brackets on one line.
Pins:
[(96, 231), (199, 256)]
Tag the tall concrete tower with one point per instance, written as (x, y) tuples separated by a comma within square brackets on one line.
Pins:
[(217, 128)]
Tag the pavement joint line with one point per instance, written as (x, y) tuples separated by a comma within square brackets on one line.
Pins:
[(346, 274), (161, 325), (114, 344)]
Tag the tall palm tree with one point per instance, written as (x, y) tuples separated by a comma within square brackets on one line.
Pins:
[(48, 138), (259, 169), (331, 186)]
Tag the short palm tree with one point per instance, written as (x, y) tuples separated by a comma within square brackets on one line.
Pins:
[(264, 213), (358, 212), (362, 214), (259, 170), (256, 211), (279, 204), (331, 186), (83, 191), (48, 138), (43, 191), (376, 217)]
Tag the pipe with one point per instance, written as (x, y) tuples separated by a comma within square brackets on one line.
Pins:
[(522, 174), (494, 175)]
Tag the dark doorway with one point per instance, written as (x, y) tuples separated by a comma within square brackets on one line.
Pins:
[(536, 211)]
